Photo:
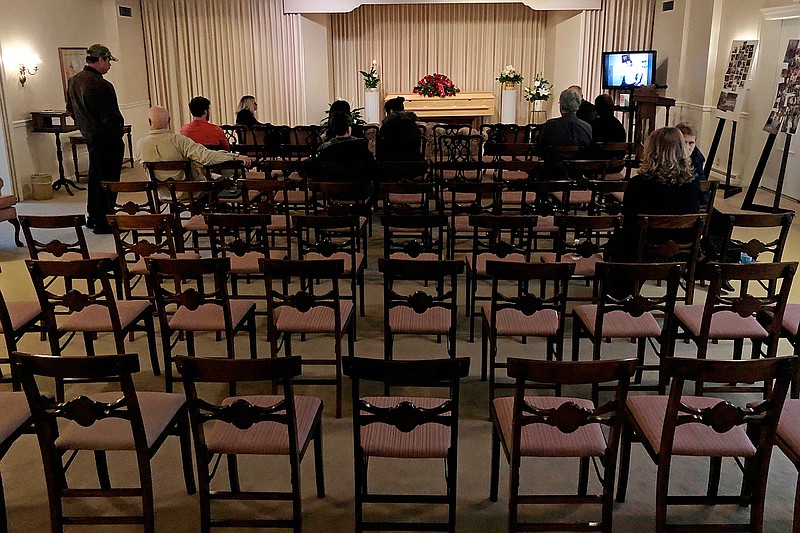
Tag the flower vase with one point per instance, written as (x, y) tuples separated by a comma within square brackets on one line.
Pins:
[(538, 105), (508, 105), (372, 106)]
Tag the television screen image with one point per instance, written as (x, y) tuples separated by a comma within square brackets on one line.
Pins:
[(628, 69)]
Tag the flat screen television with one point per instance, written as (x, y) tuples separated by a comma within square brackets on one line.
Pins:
[(622, 70)]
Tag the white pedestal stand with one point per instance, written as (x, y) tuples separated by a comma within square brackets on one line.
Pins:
[(508, 106), (372, 106)]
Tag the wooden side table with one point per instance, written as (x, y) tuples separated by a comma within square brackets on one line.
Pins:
[(78, 140), (56, 122)]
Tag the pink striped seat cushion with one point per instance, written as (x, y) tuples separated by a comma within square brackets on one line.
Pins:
[(97, 318), (619, 324), (791, 318), (158, 410), (140, 266), (248, 263), (618, 196), (345, 256), (514, 323), (514, 175), (545, 225), (512, 197), (209, 316), (433, 321), (76, 256), (480, 261), (414, 199), (690, 439), (789, 425), (15, 413), (542, 440), (21, 313), (460, 224), (425, 256), (724, 324), (278, 223), (584, 266), (575, 197), (428, 441), (263, 438), (315, 320), (196, 223), (615, 176)]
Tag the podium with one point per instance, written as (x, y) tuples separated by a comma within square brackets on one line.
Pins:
[(646, 102), (56, 122)]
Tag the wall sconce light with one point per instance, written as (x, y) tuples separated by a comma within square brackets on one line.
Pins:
[(24, 72)]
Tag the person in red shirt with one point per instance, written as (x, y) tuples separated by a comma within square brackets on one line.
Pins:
[(200, 130)]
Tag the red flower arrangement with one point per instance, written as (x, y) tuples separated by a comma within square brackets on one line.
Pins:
[(436, 85)]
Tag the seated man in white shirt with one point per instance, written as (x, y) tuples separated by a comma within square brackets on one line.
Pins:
[(161, 144)]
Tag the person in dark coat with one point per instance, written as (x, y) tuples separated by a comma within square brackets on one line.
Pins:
[(246, 111), (566, 130), (399, 137), (586, 111), (350, 155), (92, 101), (606, 128)]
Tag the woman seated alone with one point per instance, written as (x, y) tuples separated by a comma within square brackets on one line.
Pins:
[(665, 185), (246, 112)]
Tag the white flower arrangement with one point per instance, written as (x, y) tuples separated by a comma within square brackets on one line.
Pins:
[(540, 89), (509, 75), (371, 78)]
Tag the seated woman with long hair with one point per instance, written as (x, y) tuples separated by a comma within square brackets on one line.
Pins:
[(246, 111), (665, 185)]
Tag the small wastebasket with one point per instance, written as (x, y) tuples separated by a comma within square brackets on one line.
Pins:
[(42, 186)]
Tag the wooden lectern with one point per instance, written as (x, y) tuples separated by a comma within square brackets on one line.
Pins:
[(646, 101), (55, 122)]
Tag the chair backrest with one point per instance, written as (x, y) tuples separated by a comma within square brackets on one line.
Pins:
[(590, 235), (761, 418), (54, 224), (46, 411), (507, 172), (745, 303), (238, 234), (304, 141), (337, 198), (140, 236), (523, 299), (458, 198), (64, 298), (413, 235), (407, 198), (227, 172), (501, 236), (405, 416), (402, 171), (604, 201), (459, 154), (240, 413), (539, 199), (326, 235), (137, 197), (159, 171), (444, 294), (195, 294), (582, 170), (774, 227)]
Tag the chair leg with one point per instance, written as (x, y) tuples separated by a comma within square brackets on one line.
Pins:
[(233, 473), (253, 337), (184, 435), (641, 346), (151, 343), (148, 505), (714, 469), (360, 477), (3, 516), (318, 468), (583, 476), (484, 349), (102, 469), (494, 480), (576, 338), (339, 380), (451, 464), (624, 462), (662, 490), (15, 223)]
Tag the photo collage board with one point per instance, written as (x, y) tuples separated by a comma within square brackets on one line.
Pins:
[(737, 76), (785, 112)]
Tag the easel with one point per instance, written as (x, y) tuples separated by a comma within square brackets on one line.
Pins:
[(756, 181), (730, 190)]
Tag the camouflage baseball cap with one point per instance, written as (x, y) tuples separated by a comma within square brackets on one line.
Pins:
[(99, 51)]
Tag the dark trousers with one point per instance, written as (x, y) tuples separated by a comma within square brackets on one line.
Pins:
[(105, 164)]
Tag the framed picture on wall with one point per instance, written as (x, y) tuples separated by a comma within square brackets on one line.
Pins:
[(72, 61)]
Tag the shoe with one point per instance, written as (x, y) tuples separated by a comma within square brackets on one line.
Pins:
[(102, 230), (726, 286)]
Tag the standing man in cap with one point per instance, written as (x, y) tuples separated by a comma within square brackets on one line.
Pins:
[(92, 101)]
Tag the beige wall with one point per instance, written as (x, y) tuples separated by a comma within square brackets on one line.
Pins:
[(41, 27), (562, 53)]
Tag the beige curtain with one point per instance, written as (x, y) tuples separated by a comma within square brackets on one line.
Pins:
[(618, 25), (469, 43), (224, 50)]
